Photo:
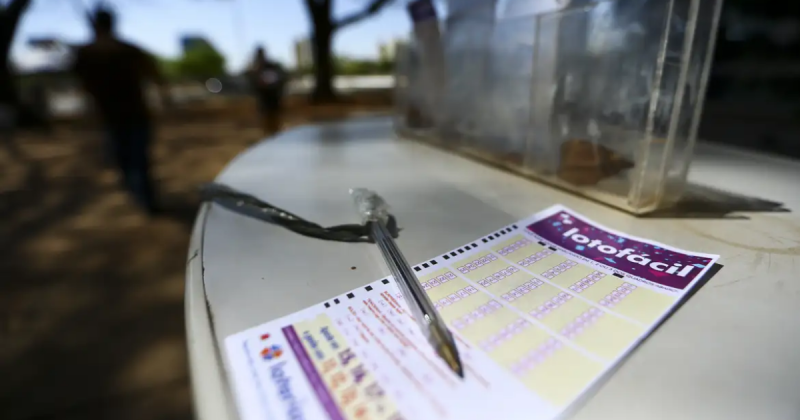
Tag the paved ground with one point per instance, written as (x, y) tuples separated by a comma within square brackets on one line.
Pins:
[(91, 290)]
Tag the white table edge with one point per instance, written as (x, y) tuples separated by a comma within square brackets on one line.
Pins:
[(209, 389)]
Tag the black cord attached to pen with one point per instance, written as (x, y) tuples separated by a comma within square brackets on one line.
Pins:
[(251, 206)]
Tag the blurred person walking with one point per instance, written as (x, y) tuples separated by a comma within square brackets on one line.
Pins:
[(115, 74), (269, 81)]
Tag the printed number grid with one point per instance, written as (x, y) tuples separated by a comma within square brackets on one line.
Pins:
[(616, 295), (586, 325), (512, 341), (542, 284)]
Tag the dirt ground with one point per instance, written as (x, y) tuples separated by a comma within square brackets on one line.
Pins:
[(91, 290)]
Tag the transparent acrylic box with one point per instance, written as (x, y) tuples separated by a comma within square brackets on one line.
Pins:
[(413, 116), (618, 91), (465, 44), (505, 117), (603, 99)]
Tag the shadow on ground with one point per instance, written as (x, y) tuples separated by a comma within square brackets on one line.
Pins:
[(91, 292), (704, 202)]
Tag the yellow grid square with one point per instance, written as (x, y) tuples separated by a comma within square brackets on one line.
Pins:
[(608, 336), (560, 378), (564, 314), (546, 263), (570, 276), (446, 289), (512, 350), (488, 325), (464, 306), (601, 288), (535, 298), (488, 270), (644, 305), (435, 274), (500, 245), (476, 271), (521, 253), (496, 282)]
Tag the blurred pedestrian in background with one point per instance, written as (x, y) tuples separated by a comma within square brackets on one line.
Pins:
[(269, 81), (116, 75)]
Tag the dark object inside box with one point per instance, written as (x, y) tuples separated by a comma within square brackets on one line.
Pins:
[(585, 163)]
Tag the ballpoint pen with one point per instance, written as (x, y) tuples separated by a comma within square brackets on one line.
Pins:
[(375, 212)]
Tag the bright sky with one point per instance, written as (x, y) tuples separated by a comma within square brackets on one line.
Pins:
[(234, 27)]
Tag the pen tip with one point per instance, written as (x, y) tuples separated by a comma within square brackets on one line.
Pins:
[(458, 368), (460, 371), (450, 355)]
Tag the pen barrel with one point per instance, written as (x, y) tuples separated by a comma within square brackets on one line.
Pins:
[(418, 302)]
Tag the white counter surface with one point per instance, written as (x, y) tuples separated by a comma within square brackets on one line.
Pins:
[(731, 352)]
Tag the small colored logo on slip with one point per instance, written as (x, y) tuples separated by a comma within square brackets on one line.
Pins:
[(271, 352), (264, 336)]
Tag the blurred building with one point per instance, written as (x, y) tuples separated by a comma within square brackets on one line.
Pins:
[(303, 53)]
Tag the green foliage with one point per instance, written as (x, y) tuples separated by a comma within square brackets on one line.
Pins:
[(345, 66), (169, 68), (359, 67), (200, 62)]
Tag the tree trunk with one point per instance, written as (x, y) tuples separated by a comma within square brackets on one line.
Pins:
[(320, 12), (9, 19), (323, 64)]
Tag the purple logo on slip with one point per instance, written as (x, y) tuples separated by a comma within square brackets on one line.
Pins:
[(651, 262)]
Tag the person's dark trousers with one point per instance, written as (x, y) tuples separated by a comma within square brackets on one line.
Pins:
[(8, 125), (130, 147), (270, 105)]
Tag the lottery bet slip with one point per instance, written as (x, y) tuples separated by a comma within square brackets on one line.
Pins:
[(542, 310)]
